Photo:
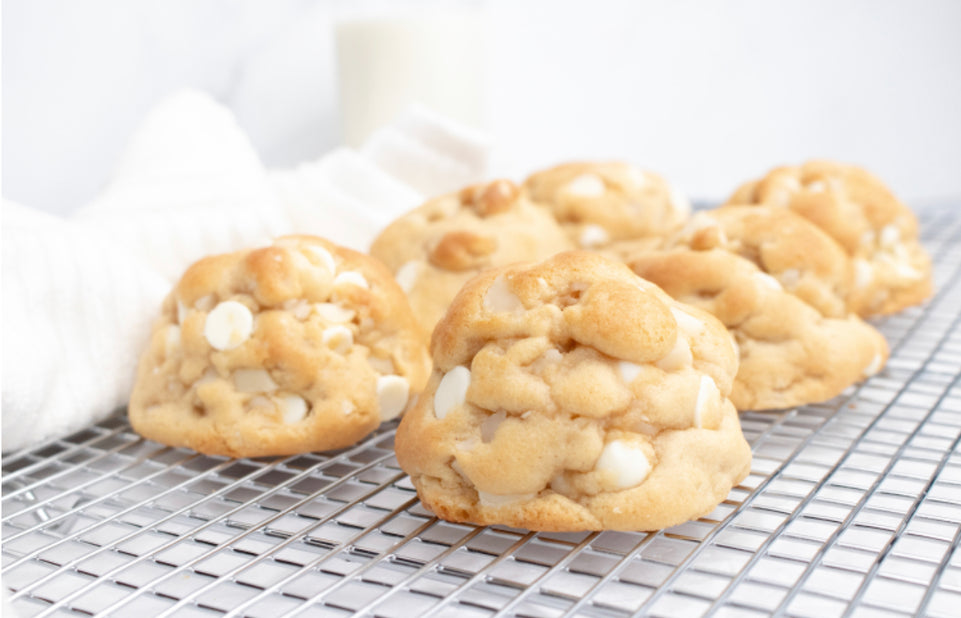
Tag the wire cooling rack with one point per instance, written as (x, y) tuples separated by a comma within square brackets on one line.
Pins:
[(853, 507)]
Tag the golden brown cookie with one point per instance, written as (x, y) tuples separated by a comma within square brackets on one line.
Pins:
[(572, 395), (806, 262), (880, 234), (598, 203), (434, 249), (790, 353), (299, 346)]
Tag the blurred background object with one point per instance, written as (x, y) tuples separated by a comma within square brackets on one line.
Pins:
[(706, 93), (395, 53)]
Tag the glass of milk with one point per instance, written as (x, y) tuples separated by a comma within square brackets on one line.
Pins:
[(394, 53)]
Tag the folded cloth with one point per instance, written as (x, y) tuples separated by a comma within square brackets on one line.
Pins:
[(77, 309), (432, 154), (80, 294), (188, 185), (363, 196)]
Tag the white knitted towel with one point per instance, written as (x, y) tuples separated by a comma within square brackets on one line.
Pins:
[(77, 309), (80, 294)]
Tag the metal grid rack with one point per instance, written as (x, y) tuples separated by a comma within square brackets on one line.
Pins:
[(853, 507)]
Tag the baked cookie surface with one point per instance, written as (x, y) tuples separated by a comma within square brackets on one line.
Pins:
[(790, 353), (434, 249), (800, 256), (892, 271), (296, 347), (572, 395), (599, 203)]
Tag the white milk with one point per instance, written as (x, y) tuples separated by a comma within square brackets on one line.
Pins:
[(386, 63)]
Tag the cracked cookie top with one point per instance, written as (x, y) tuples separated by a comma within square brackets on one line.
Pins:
[(880, 234), (571, 395), (434, 249), (296, 347), (802, 258), (790, 353), (599, 203)]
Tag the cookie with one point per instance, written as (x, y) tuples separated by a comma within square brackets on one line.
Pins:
[(892, 271), (790, 354), (299, 346), (599, 203), (805, 261), (572, 395), (434, 249)]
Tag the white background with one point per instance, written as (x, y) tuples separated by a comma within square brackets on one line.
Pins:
[(707, 93)]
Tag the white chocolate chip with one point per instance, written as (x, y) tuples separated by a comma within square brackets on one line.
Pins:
[(817, 186), (897, 257), (452, 391), (301, 261), (593, 235), (253, 381), (792, 183), (551, 356), (351, 277), (228, 325), (298, 307), (261, 402), (334, 314), (324, 256), (347, 407), (172, 340), (497, 500), (687, 322), (907, 271), (679, 202), (293, 408), (455, 465), (339, 338), (500, 299), (768, 281), (874, 366), (383, 366), (679, 357), (392, 395), (863, 273), (707, 394), (586, 185), (205, 303), (181, 312), (444, 209), (627, 462), (790, 277), (890, 236), (645, 428), (489, 427), (629, 371), (407, 275)]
